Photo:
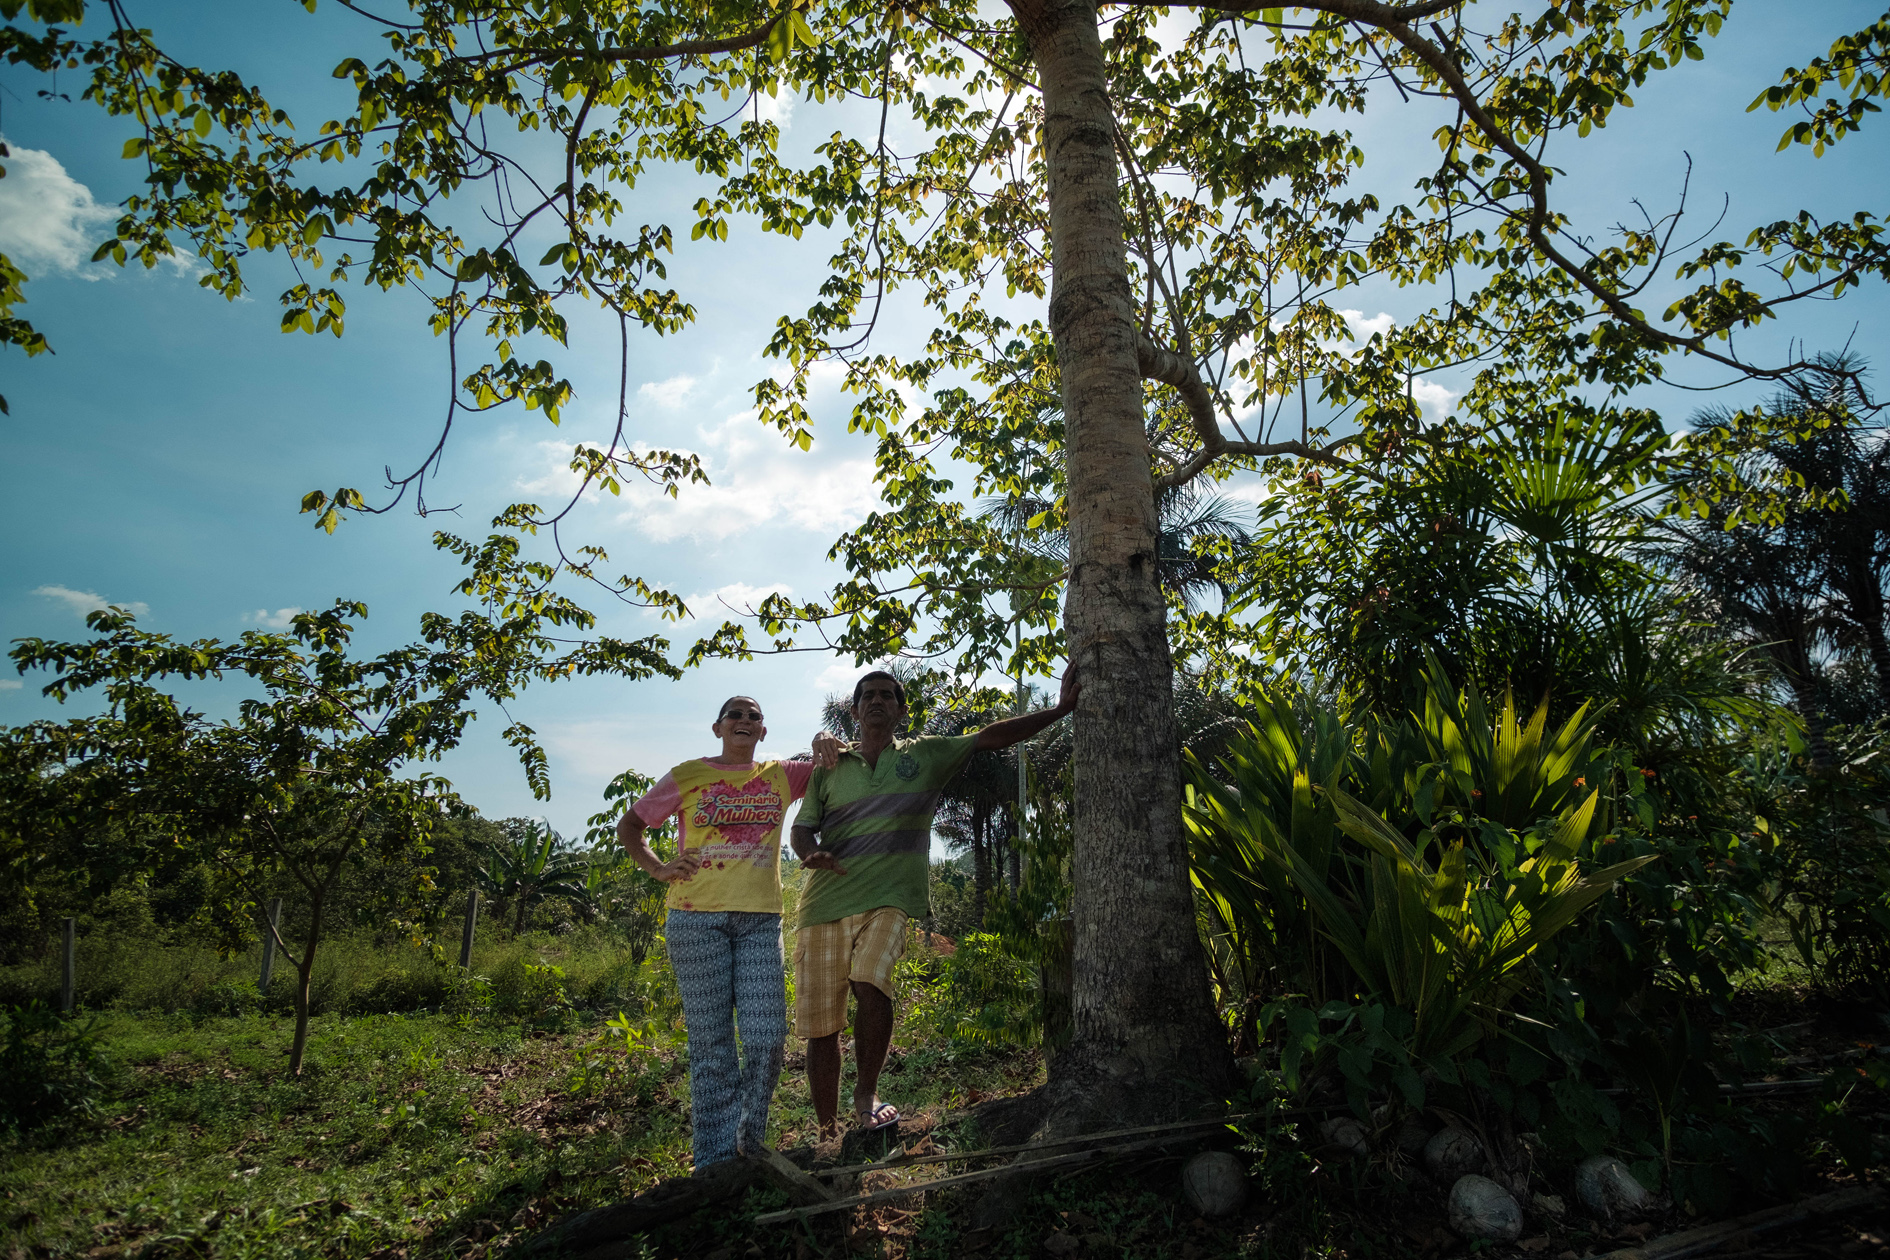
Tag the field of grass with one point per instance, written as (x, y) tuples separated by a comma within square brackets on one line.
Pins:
[(461, 1128), (454, 1133), (418, 1136)]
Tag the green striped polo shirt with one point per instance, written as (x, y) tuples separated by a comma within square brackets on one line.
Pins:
[(878, 821)]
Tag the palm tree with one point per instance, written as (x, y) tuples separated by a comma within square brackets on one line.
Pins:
[(1791, 551), (1185, 518), (524, 866), (1849, 545)]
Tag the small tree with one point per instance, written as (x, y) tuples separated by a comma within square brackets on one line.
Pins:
[(640, 905), (307, 779)]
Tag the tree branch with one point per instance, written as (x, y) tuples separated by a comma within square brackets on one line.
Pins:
[(1352, 10), (659, 52), (1158, 363)]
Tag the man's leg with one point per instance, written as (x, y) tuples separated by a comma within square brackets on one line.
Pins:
[(877, 948), (872, 1037), (823, 1081), (821, 953)]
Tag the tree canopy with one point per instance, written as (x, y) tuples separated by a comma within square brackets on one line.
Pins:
[(1186, 211)]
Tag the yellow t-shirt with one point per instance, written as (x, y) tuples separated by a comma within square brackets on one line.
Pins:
[(730, 817)]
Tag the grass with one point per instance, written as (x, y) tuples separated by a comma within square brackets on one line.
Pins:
[(408, 1134), (460, 1134), (410, 1137), (354, 975)]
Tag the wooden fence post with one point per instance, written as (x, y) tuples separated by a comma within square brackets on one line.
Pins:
[(68, 977), (269, 944), (465, 937)]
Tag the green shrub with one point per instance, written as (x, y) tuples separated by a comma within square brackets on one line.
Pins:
[(468, 996), (228, 998), (534, 994), (1420, 865), (980, 995), (52, 1067), (354, 975), (396, 988)]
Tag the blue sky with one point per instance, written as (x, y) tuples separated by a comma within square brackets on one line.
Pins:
[(157, 459)]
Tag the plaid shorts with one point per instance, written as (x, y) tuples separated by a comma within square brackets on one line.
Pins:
[(828, 955)]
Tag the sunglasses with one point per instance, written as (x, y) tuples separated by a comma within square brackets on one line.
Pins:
[(753, 715)]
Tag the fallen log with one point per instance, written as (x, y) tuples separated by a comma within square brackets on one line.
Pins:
[(990, 1152), (1694, 1242), (782, 1173), (949, 1157), (605, 1233)]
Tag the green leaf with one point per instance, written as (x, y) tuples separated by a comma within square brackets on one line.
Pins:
[(780, 40)]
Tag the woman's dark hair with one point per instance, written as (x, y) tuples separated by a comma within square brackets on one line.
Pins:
[(899, 688), (721, 712)]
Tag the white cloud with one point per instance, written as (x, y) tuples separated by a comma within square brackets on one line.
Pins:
[(1363, 328), (83, 602), (280, 619), (778, 110), (1435, 400), (1246, 488), (10, 684), (596, 749), (757, 481), (557, 475), (669, 393), (48, 219), (735, 599), (838, 678)]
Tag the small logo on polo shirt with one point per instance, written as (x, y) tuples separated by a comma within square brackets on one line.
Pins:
[(908, 767)]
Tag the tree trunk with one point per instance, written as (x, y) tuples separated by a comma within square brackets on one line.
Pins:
[(304, 973), (1867, 610), (1145, 1040), (980, 867), (1792, 654), (1855, 577)]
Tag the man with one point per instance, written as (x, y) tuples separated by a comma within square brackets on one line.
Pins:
[(867, 876)]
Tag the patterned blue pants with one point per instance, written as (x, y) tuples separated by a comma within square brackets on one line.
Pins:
[(728, 967)]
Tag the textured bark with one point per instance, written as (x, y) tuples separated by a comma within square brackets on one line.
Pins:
[(1145, 1041)]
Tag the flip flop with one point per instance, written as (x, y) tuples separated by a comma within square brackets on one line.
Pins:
[(883, 1116)]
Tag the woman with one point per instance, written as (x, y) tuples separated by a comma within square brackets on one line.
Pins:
[(724, 922)]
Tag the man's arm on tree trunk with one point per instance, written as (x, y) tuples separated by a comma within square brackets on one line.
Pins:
[(1018, 729)]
